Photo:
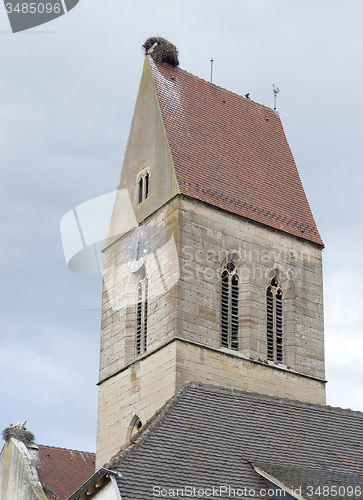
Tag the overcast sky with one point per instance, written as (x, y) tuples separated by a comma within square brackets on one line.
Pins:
[(68, 89)]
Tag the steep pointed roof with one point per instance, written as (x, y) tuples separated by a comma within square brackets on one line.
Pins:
[(231, 152)]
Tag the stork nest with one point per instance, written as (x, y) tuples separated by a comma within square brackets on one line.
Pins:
[(22, 435), (161, 50)]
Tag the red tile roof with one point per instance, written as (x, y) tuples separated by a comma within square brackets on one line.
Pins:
[(232, 153), (62, 471)]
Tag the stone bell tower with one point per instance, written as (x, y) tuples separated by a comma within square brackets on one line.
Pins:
[(212, 269)]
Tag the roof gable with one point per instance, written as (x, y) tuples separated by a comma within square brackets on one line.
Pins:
[(18, 475), (209, 436), (231, 152), (147, 150)]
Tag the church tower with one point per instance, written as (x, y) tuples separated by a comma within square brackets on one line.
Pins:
[(213, 266)]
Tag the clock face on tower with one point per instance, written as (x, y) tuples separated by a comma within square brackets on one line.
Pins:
[(137, 249)]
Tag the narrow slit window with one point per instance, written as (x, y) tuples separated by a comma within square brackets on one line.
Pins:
[(229, 307), (141, 317), (275, 337), (279, 332), (146, 186), (145, 312), (270, 324), (225, 309), (140, 189)]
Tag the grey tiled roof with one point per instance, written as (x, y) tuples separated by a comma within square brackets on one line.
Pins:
[(208, 436)]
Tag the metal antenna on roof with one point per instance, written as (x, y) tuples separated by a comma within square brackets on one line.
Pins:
[(211, 70), (275, 90)]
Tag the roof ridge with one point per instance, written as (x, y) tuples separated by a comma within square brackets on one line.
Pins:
[(144, 432), (65, 449), (279, 398), (178, 68)]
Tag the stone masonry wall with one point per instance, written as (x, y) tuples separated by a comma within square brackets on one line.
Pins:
[(141, 389), (210, 237), (190, 243), (144, 386), (119, 292), (211, 366)]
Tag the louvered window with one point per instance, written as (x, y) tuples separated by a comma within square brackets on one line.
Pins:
[(141, 316), (229, 306), (275, 338)]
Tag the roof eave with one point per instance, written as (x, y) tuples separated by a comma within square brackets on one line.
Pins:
[(92, 481)]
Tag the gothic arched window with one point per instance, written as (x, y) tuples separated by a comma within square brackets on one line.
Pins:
[(134, 427), (143, 185), (141, 316), (229, 306), (275, 338)]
